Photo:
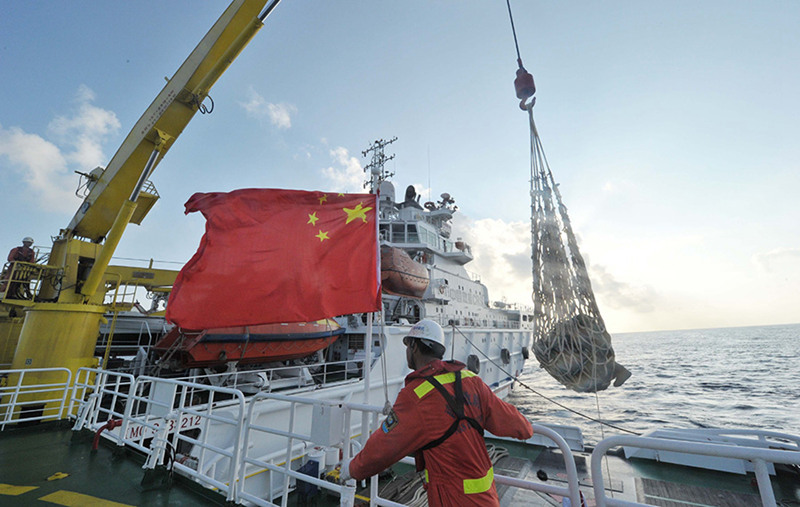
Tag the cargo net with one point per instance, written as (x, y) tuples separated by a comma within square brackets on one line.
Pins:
[(570, 339)]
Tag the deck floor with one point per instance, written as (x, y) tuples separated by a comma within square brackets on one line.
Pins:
[(671, 494), (40, 465)]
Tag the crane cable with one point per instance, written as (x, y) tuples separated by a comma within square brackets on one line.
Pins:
[(514, 32)]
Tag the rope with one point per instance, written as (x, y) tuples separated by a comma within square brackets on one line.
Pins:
[(387, 405), (551, 400)]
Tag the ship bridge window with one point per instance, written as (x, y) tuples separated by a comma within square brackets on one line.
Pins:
[(413, 237), (427, 237), (398, 233)]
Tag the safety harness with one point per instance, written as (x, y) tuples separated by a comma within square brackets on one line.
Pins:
[(456, 404)]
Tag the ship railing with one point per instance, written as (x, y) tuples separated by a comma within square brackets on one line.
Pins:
[(571, 490), (146, 337), (759, 457), (284, 377), (21, 282), (331, 427), (167, 411), (159, 417), (475, 277), (123, 296), (322, 422), (99, 396), (34, 394)]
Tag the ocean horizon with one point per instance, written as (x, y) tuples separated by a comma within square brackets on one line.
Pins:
[(733, 377)]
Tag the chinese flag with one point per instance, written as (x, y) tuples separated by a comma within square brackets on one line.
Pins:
[(271, 255)]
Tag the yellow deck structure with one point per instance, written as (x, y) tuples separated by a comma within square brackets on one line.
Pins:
[(50, 314)]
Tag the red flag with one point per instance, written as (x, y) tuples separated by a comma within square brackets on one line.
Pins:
[(271, 255)]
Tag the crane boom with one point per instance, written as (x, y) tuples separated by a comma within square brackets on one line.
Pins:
[(165, 118)]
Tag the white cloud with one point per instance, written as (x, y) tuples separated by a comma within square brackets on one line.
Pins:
[(85, 131), (619, 294), (255, 106), (502, 256), (46, 165), (622, 186), (280, 115), (346, 173), (780, 260)]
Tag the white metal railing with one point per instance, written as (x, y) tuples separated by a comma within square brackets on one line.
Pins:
[(167, 409), (758, 456), (157, 416), (571, 490), (144, 338), (283, 377), (262, 496), (160, 415), (43, 396), (98, 396)]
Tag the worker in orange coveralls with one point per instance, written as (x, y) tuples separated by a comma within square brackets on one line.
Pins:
[(440, 416), (23, 253)]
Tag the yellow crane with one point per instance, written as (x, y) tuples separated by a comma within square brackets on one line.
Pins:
[(55, 321)]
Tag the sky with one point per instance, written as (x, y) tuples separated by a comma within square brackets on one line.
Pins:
[(671, 127)]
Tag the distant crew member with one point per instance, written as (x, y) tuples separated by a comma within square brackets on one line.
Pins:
[(18, 289), (23, 253), (440, 416)]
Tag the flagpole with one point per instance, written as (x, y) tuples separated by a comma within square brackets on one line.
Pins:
[(375, 179), (368, 359), (367, 364), (367, 367)]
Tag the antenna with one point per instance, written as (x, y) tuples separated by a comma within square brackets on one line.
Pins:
[(377, 171)]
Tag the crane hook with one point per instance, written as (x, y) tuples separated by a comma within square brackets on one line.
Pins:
[(524, 86)]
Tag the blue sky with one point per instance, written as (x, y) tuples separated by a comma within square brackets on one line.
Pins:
[(671, 127)]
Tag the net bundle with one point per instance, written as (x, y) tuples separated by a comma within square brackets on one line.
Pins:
[(570, 339)]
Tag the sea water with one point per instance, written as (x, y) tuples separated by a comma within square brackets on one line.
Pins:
[(746, 377)]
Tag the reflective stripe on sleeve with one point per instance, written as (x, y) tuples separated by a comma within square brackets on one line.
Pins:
[(472, 486), (445, 378)]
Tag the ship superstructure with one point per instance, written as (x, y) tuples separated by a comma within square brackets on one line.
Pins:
[(424, 276)]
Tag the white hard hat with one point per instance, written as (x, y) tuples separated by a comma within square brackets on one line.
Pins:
[(428, 331), (27, 239)]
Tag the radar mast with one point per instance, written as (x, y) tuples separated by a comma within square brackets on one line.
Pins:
[(377, 171)]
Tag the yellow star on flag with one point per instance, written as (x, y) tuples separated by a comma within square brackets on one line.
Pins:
[(324, 198), (358, 212), (341, 194), (322, 236), (312, 218)]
